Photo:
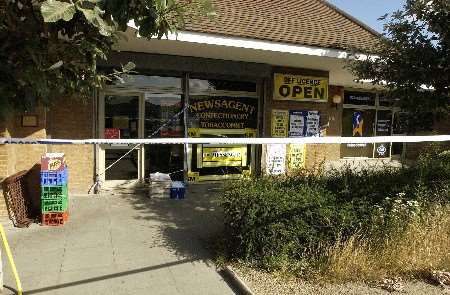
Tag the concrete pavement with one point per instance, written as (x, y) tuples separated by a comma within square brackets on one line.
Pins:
[(123, 243)]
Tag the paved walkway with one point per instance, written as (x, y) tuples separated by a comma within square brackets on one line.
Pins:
[(121, 244)]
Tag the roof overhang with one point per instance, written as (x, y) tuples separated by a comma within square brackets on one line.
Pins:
[(249, 50)]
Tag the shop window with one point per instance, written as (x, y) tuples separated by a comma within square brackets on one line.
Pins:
[(220, 108), (357, 122), (121, 116), (366, 114)]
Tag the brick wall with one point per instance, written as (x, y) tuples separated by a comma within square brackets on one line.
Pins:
[(26, 156), (67, 118), (73, 119), (4, 168)]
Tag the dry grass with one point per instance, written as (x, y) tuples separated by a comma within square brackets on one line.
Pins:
[(422, 247)]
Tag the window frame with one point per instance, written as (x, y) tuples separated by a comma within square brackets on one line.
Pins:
[(376, 107)]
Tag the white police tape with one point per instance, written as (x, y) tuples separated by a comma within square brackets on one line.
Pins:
[(241, 140)]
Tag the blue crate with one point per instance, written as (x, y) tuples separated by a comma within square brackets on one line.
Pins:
[(54, 177), (177, 190)]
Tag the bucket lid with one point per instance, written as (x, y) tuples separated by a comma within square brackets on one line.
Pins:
[(177, 184)]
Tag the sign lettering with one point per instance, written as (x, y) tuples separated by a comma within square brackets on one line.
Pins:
[(223, 112), (295, 87), (223, 156)]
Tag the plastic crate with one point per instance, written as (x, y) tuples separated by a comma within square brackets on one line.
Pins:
[(54, 177), (55, 205), (54, 192), (53, 162), (54, 218)]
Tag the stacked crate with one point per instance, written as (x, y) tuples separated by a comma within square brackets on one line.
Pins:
[(54, 192)]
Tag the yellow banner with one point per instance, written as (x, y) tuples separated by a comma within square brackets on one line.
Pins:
[(222, 156), (280, 122), (296, 87)]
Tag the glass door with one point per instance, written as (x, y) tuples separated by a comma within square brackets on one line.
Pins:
[(161, 121), (121, 121)]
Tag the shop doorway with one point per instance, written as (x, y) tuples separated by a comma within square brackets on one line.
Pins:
[(121, 121), (161, 109), (138, 109)]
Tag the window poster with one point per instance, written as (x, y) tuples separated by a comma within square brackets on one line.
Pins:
[(112, 133), (297, 126), (357, 123), (296, 156), (280, 122), (121, 122), (304, 123), (275, 159), (383, 126), (220, 156)]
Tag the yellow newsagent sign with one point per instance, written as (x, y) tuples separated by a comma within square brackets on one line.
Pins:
[(223, 156), (297, 87)]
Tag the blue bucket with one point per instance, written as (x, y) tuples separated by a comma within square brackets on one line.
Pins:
[(177, 190)]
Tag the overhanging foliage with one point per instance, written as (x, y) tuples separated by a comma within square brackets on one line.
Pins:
[(49, 49), (413, 61)]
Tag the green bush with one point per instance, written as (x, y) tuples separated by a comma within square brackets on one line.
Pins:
[(274, 221)]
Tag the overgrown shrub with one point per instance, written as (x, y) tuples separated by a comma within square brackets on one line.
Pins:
[(277, 221)]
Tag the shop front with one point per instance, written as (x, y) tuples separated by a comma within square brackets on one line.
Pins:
[(222, 78), (151, 106), (288, 102)]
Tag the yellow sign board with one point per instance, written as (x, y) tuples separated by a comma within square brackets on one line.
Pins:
[(296, 156), (280, 123), (234, 156), (297, 87)]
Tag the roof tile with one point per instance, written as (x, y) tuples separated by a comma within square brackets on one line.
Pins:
[(303, 22)]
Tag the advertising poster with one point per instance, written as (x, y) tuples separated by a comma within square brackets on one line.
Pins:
[(121, 122), (313, 123), (275, 159), (296, 156), (297, 126), (232, 156), (357, 123), (304, 123), (280, 122), (298, 87)]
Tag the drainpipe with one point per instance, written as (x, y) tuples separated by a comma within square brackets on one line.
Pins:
[(94, 131)]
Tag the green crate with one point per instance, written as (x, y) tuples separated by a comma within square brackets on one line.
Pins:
[(54, 205), (54, 192)]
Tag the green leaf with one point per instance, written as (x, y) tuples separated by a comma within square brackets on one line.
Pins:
[(94, 17), (53, 11), (129, 66)]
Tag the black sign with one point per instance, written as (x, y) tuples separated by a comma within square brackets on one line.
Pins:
[(208, 112), (359, 98)]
